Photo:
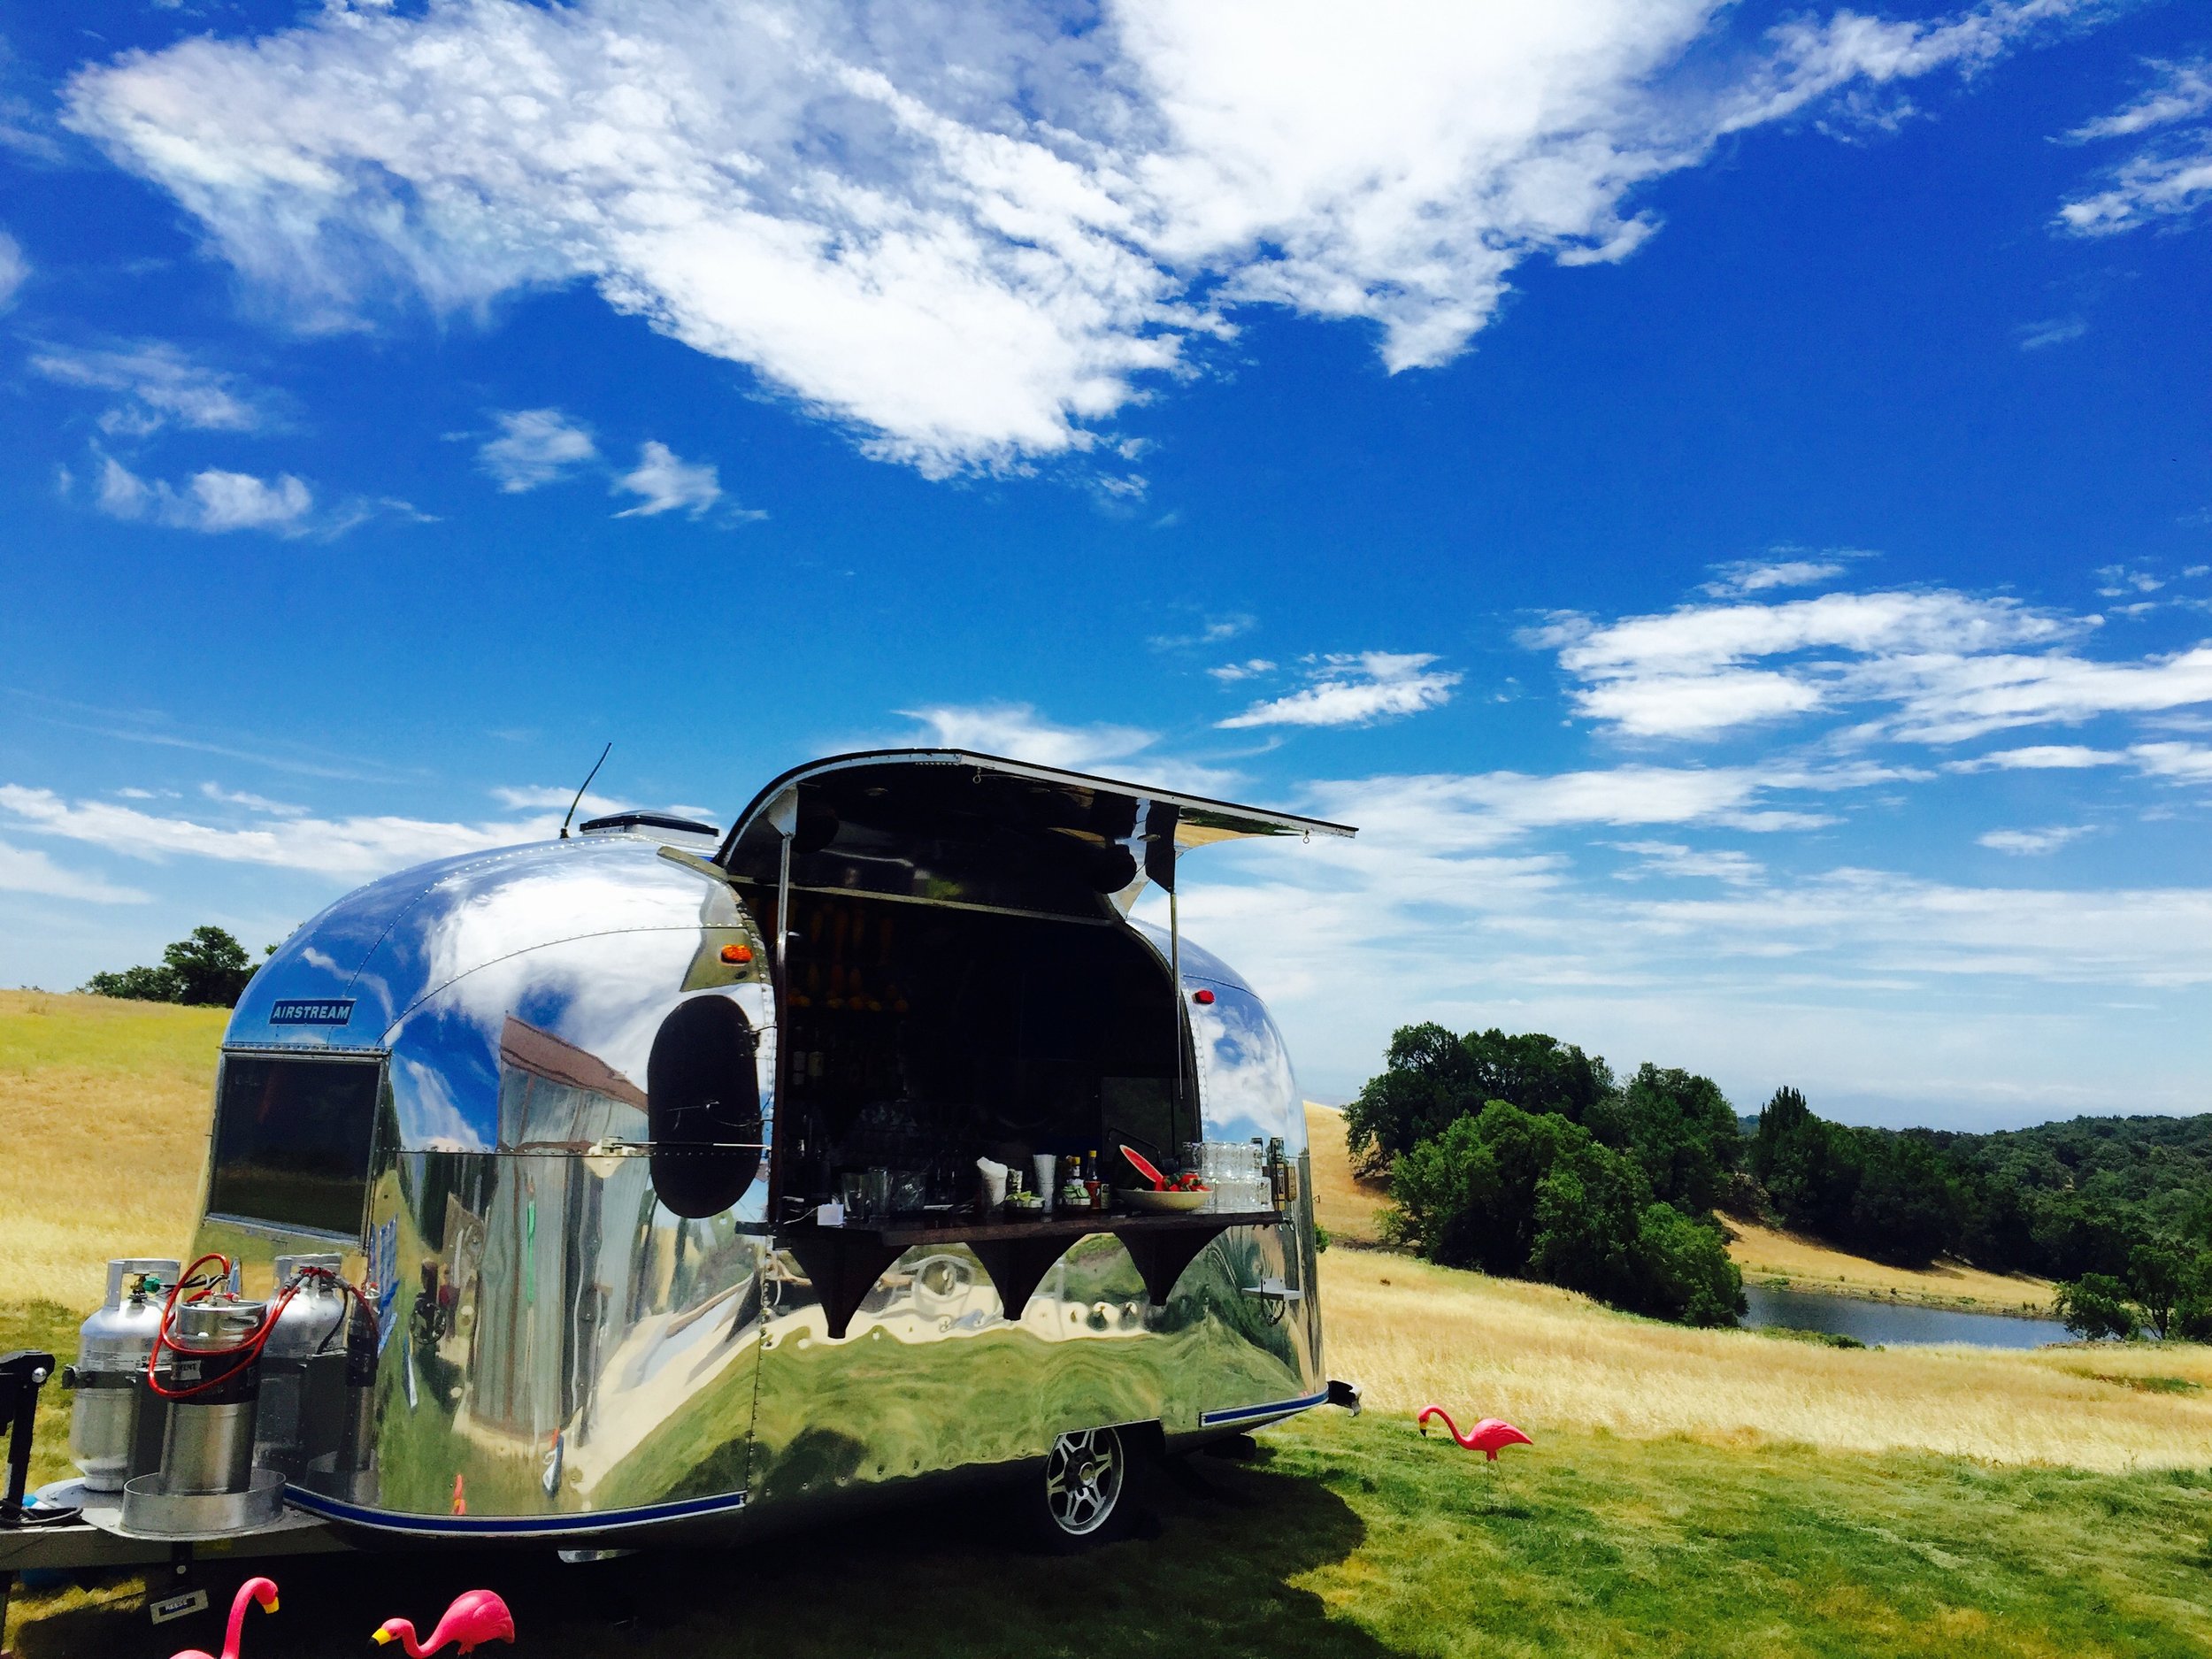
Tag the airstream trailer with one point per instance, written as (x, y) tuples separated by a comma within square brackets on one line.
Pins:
[(656, 1170)]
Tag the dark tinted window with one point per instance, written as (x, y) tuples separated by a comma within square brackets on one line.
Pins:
[(703, 1098), (292, 1142)]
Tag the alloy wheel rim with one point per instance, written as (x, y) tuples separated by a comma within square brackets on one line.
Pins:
[(1083, 1479)]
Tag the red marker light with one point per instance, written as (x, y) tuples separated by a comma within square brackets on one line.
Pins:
[(737, 952), (1203, 998)]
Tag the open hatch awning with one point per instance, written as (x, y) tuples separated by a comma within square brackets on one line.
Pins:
[(954, 825)]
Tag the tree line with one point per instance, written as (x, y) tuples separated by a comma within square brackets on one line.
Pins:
[(208, 970), (2117, 1210), (1524, 1156)]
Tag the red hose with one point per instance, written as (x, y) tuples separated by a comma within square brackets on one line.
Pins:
[(249, 1346)]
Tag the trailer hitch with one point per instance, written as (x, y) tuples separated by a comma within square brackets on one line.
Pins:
[(23, 1372)]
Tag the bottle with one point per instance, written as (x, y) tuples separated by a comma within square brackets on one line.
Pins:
[(1090, 1179)]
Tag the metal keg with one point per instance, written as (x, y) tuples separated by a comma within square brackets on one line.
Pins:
[(112, 1347), (209, 1446), (303, 1366)]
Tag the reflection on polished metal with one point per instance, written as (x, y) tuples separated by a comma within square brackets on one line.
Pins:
[(556, 1351)]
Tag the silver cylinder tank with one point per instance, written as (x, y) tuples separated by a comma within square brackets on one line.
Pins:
[(209, 1446), (308, 1328), (112, 1347)]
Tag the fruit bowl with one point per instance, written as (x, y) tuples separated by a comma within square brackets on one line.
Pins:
[(1144, 1198)]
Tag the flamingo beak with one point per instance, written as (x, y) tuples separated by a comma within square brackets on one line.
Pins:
[(269, 1605), (382, 1637)]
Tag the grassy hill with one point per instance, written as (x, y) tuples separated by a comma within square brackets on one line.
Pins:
[(1708, 1492)]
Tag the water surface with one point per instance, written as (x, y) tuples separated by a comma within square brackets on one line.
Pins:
[(1891, 1324)]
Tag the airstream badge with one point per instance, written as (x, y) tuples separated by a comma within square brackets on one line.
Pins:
[(324, 1011)]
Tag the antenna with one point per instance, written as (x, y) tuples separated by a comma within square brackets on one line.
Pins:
[(580, 787)]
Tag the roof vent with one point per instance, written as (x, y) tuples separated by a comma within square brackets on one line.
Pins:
[(619, 823)]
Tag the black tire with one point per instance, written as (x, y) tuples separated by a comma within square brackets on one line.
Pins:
[(1086, 1493)]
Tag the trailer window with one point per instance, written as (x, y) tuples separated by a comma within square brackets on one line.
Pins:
[(702, 1100), (292, 1142)]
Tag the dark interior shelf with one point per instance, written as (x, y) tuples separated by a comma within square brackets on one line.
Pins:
[(845, 1263)]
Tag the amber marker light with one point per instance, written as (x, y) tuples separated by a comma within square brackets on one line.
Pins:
[(737, 952)]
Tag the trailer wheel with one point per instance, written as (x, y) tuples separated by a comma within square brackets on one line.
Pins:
[(1084, 1496)]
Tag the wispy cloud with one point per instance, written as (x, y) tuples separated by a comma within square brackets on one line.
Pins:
[(2038, 757), (15, 270), (1937, 666), (1211, 630), (2030, 842), (212, 500), (2169, 176), (2052, 331), (160, 384), (1753, 576), (973, 242), (666, 483), (27, 870), (1355, 688), (1018, 731), (1251, 668), (1673, 860), (534, 447), (354, 848), (251, 802)]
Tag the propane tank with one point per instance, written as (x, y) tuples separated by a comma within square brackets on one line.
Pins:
[(303, 1366), (209, 1446), (112, 1347)]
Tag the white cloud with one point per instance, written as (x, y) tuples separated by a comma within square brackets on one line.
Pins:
[(2168, 178), (2184, 90), (15, 270), (2031, 842), (160, 384), (1016, 731), (356, 849), (241, 797), (1212, 631), (970, 232), (2038, 757), (1252, 668), (667, 482), (2052, 331), (1936, 659), (2184, 762), (1670, 858), (556, 797), (534, 447), (27, 869), (1355, 688), (213, 501), (2122, 581), (1751, 576)]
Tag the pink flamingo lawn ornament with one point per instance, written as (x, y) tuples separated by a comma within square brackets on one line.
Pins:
[(1489, 1437), (261, 1590), (475, 1617)]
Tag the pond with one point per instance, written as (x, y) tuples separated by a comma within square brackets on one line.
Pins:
[(1888, 1324)]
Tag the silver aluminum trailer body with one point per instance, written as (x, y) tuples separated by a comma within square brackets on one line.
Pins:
[(607, 1315)]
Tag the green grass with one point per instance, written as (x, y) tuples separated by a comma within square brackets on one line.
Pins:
[(1363, 1539)]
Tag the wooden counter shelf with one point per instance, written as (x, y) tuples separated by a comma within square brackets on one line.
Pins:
[(846, 1262)]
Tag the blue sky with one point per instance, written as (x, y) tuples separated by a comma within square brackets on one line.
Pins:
[(1720, 495)]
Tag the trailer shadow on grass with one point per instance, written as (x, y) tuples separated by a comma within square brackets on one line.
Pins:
[(1209, 1571)]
